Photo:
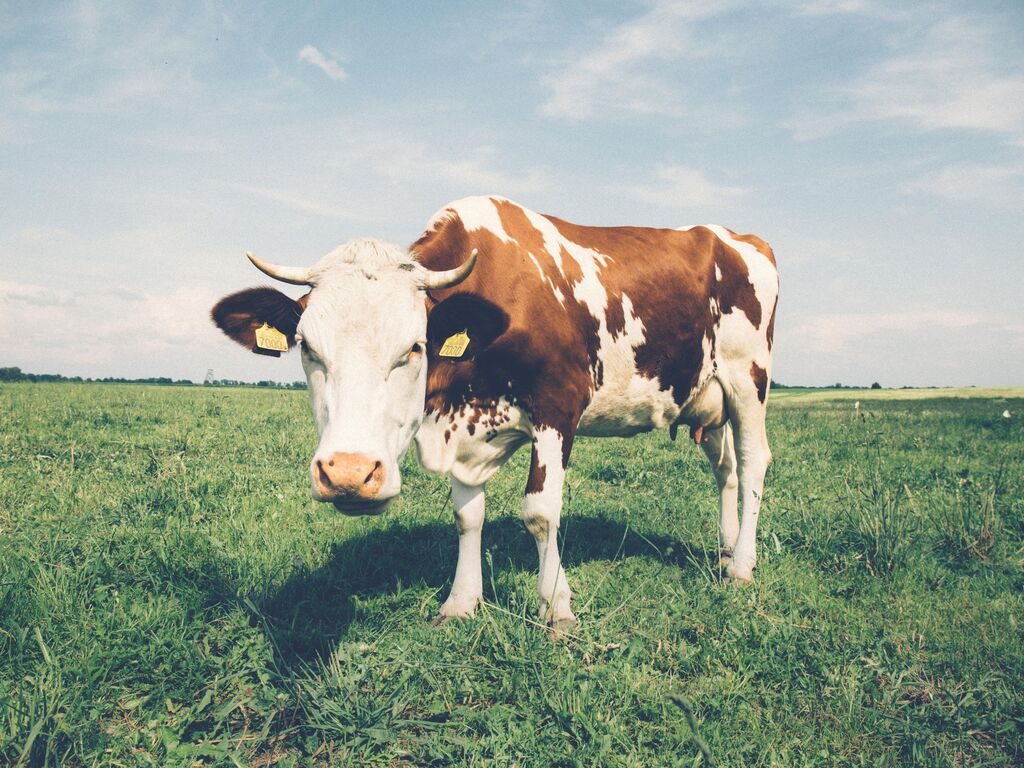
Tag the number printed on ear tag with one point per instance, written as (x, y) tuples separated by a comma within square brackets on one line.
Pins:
[(271, 339), (455, 345)]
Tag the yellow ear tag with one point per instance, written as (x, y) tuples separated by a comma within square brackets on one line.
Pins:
[(271, 339), (455, 345)]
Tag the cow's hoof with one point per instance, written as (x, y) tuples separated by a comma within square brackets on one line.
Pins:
[(559, 627), (443, 618), (454, 609), (738, 581), (725, 557), (734, 575)]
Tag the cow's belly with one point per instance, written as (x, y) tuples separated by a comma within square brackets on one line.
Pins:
[(627, 402), (623, 408)]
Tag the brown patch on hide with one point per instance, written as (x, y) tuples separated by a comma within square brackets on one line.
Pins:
[(485, 415), (538, 474), (760, 378), (771, 324), (735, 290), (240, 314)]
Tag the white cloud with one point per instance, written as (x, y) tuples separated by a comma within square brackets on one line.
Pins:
[(842, 332), (831, 7), (914, 347), (36, 295), (471, 170), (679, 188), (1000, 186), (93, 333), (615, 75), (297, 202), (313, 56), (811, 251), (101, 59), (951, 76), (364, 164)]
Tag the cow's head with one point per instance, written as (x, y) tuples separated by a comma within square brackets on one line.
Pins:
[(362, 335)]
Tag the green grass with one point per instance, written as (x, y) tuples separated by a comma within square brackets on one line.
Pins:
[(810, 394), (170, 596)]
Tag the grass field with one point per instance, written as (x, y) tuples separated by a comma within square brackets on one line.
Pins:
[(170, 596)]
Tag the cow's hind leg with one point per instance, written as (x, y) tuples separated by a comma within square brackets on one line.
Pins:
[(542, 510), (467, 589), (747, 409), (718, 445)]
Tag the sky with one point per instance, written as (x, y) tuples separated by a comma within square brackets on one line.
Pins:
[(878, 147)]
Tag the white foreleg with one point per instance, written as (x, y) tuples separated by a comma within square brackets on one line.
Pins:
[(542, 510), (467, 589)]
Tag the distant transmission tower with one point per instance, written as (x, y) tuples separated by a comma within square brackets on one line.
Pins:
[(209, 377)]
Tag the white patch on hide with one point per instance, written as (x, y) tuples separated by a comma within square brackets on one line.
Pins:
[(478, 213), (546, 280), (472, 459), (626, 402)]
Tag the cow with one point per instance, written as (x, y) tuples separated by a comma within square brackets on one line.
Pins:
[(501, 327)]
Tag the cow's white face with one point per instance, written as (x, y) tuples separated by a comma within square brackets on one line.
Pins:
[(363, 347), (362, 335)]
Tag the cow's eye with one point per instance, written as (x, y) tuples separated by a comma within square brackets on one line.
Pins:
[(414, 354), (308, 351)]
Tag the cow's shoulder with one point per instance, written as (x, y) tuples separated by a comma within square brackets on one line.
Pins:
[(528, 336)]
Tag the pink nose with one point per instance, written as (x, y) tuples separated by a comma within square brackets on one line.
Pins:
[(348, 477)]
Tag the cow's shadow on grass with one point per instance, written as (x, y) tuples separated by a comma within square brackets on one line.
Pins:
[(307, 615)]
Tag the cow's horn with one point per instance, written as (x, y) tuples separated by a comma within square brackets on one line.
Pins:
[(293, 275), (446, 278)]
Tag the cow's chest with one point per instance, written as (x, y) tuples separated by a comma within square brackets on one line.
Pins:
[(473, 441)]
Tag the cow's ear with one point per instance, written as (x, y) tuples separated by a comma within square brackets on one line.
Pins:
[(240, 314), (482, 321)]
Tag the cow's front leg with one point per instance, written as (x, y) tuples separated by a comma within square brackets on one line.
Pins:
[(542, 510), (467, 590)]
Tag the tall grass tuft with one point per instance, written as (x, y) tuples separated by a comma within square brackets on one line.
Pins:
[(882, 529), (970, 526)]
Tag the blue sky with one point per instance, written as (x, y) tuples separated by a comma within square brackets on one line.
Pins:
[(879, 147)]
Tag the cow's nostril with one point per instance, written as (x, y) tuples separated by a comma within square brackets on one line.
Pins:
[(374, 475), (325, 479)]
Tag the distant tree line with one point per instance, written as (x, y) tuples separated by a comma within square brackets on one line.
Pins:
[(263, 383), (837, 385), (16, 374)]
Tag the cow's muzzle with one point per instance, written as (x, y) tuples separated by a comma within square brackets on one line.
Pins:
[(351, 481)]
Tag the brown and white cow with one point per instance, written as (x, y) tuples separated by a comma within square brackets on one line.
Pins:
[(572, 330)]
